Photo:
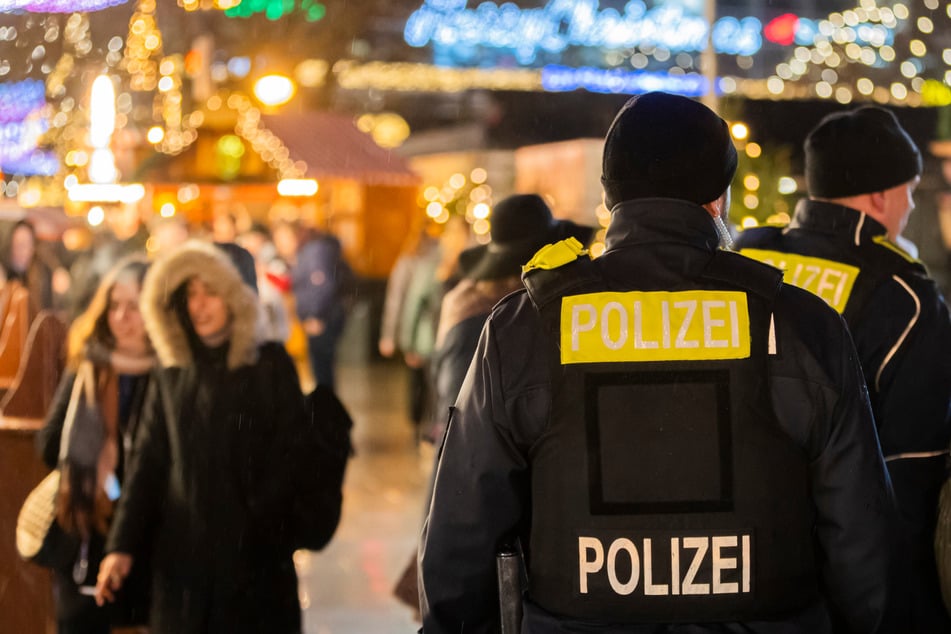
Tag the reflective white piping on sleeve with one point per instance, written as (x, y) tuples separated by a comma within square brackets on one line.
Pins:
[(858, 228), (772, 334), (916, 454), (901, 339)]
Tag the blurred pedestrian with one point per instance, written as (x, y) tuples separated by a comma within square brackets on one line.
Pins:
[(214, 468), (677, 441), (843, 245), (124, 234), (321, 281), (521, 224), (272, 282), (109, 336), (23, 264), (410, 311)]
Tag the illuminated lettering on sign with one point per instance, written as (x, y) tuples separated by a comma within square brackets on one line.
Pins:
[(654, 326), (563, 23), (831, 281), (565, 79)]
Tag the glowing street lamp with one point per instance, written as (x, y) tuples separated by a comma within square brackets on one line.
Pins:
[(274, 90)]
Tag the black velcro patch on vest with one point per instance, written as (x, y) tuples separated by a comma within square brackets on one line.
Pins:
[(659, 442)]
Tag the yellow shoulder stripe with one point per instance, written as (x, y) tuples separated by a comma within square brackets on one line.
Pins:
[(551, 256), (883, 241)]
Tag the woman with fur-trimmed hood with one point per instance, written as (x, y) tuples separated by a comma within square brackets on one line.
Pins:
[(212, 474)]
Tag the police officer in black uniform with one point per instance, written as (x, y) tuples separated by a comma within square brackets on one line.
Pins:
[(843, 245), (679, 441)]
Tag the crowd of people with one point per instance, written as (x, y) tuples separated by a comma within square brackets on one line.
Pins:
[(697, 431), (181, 431)]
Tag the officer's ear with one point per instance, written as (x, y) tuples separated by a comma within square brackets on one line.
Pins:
[(876, 203), (718, 208)]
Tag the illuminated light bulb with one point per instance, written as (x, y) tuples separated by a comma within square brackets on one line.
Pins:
[(739, 131), (753, 150), (443, 217), (96, 216), (749, 222), (787, 185), (823, 89), (481, 227), (102, 166), (167, 210), (155, 135), (274, 90), (481, 211), (899, 91), (917, 48), (456, 181), (431, 193), (297, 187), (434, 209), (478, 175), (751, 201), (843, 95), (751, 182)]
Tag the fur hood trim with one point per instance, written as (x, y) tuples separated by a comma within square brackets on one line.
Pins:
[(214, 267)]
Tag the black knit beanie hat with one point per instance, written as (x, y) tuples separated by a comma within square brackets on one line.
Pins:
[(858, 152), (667, 146)]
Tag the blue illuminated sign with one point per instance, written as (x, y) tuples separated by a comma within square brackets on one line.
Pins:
[(563, 23), (565, 79), (22, 124), (36, 163)]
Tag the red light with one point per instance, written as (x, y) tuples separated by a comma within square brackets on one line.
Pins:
[(782, 30)]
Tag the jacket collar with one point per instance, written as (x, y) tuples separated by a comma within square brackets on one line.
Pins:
[(834, 219), (653, 220)]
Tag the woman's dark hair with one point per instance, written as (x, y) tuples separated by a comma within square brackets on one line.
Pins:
[(7, 249)]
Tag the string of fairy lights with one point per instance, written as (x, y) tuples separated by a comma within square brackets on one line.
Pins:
[(854, 52)]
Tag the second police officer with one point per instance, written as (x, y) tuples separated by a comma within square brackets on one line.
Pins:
[(843, 245), (679, 441)]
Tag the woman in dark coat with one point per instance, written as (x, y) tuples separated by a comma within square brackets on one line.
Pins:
[(212, 471), (22, 263), (110, 335)]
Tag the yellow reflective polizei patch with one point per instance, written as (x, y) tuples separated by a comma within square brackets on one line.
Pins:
[(654, 326), (831, 281)]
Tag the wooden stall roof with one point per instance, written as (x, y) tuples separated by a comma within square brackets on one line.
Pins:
[(333, 147)]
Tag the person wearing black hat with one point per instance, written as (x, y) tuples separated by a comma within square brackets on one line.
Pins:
[(676, 440), (843, 244), (521, 224)]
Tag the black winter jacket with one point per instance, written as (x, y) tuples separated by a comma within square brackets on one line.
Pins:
[(483, 486), (902, 331), (211, 476)]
